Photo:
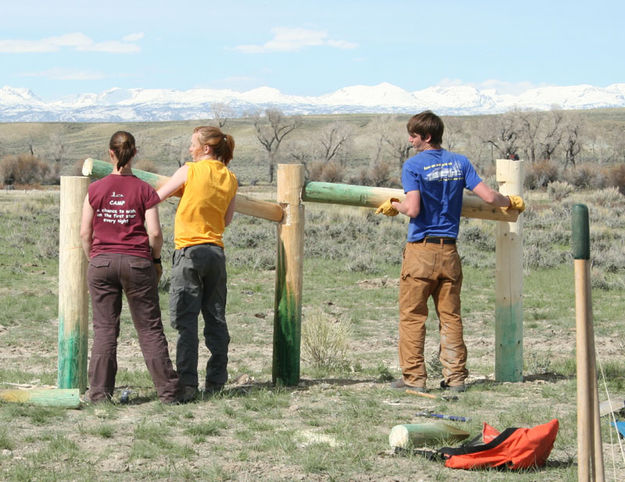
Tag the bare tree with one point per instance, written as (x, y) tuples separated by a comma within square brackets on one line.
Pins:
[(571, 142), (453, 133), (501, 133), (58, 149), (552, 135), (530, 125), (221, 113), (271, 129), (334, 140)]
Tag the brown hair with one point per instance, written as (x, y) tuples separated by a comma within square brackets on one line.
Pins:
[(122, 144), (427, 123), (221, 144)]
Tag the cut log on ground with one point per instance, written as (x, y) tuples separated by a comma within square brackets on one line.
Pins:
[(412, 435), (49, 397)]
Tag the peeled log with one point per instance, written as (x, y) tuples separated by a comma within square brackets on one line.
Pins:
[(372, 197), (49, 397), (242, 204), (413, 435)]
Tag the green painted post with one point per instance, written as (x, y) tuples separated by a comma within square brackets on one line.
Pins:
[(73, 296), (589, 445), (289, 277), (581, 232), (509, 281)]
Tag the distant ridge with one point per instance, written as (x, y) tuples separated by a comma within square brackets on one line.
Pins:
[(114, 105)]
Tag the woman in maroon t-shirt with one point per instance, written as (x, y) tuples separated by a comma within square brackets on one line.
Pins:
[(124, 256)]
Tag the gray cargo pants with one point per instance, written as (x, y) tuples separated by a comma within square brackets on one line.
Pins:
[(198, 284)]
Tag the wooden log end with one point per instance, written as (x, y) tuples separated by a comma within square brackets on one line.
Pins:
[(87, 167), (399, 437)]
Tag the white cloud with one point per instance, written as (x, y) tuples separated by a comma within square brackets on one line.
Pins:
[(133, 37), (295, 39), (76, 41), (66, 74)]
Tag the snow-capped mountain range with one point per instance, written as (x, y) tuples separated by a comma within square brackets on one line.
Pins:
[(22, 105)]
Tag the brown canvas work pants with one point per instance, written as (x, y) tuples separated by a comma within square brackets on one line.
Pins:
[(431, 270), (108, 275)]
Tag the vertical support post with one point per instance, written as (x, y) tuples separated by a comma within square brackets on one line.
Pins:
[(509, 281), (73, 298), (289, 276), (589, 446)]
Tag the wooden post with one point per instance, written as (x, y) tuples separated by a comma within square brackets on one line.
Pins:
[(289, 276), (509, 281), (73, 295), (242, 204), (372, 197), (589, 446)]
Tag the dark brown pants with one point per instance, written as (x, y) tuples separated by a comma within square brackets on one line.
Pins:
[(431, 270), (108, 275)]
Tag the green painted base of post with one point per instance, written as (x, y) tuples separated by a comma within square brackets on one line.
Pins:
[(286, 329), (289, 276), (509, 343), (509, 281), (73, 294)]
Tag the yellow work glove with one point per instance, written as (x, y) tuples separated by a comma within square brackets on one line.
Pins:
[(387, 208), (516, 202)]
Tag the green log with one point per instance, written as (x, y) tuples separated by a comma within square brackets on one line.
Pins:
[(99, 169), (49, 397), (372, 197), (413, 435), (242, 204)]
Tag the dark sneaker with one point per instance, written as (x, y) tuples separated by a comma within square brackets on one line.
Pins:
[(453, 388), (401, 385), (213, 388), (188, 393)]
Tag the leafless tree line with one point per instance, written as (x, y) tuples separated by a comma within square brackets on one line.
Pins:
[(380, 143)]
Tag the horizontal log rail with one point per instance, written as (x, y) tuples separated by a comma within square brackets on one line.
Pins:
[(242, 204), (372, 197)]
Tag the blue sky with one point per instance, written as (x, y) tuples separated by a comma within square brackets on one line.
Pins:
[(61, 47)]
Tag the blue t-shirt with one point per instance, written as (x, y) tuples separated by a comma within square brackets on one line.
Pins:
[(440, 177)]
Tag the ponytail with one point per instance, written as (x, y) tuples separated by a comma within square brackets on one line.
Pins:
[(122, 144)]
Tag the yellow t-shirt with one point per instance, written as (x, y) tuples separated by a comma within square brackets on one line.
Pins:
[(208, 191)]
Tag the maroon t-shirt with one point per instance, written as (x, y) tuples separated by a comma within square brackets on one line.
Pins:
[(119, 204)]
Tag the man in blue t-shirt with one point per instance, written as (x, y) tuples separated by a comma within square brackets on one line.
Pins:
[(434, 181)]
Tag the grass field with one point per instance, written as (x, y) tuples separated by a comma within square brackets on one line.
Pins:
[(334, 425)]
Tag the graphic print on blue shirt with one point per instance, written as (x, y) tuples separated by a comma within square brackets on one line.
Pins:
[(440, 177)]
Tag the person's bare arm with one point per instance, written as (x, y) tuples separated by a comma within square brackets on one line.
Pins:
[(411, 205), (86, 226), (153, 228), (230, 212), (491, 196), (174, 182)]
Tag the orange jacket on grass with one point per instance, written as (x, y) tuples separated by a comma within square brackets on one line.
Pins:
[(514, 448)]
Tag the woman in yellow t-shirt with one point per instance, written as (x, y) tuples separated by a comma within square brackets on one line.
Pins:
[(198, 276)]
